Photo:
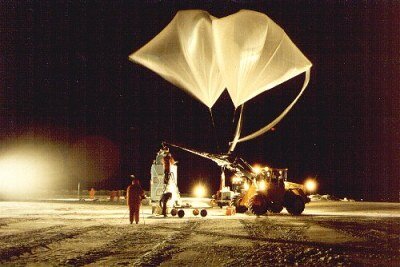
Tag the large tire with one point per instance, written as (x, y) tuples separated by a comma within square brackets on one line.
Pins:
[(236, 202), (258, 204), (295, 205), (241, 209), (275, 207)]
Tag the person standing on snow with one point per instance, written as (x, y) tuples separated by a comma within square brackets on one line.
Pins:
[(163, 202), (134, 196)]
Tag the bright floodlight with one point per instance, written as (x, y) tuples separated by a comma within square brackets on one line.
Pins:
[(27, 170), (310, 185), (199, 191), (17, 174)]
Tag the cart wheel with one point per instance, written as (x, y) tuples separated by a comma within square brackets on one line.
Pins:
[(195, 212), (203, 213), (174, 212), (181, 213)]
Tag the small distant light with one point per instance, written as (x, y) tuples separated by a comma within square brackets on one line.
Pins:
[(199, 191), (262, 185), (310, 185)]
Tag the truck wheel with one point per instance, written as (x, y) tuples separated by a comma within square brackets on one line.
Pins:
[(258, 205), (275, 207), (295, 206), (203, 213), (181, 213), (195, 212), (241, 209), (236, 202)]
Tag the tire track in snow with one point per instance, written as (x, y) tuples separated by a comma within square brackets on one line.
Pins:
[(384, 235), (123, 240), (169, 246), (28, 241), (252, 258), (8, 240), (128, 246), (287, 248), (4, 222), (77, 251), (88, 258)]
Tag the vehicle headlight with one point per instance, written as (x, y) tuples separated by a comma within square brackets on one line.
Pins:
[(246, 186), (262, 185)]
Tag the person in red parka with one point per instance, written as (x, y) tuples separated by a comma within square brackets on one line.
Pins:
[(134, 196), (168, 160)]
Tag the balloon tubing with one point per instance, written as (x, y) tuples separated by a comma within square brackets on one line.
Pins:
[(276, 120), (214, 128), (237, 132)]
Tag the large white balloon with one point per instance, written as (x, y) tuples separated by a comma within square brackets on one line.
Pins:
[(183, 54), (246, 52), (254, 54)]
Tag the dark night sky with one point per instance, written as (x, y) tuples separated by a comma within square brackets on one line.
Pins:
[(65, 78)]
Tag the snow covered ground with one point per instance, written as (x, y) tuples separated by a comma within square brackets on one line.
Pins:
[(329, 233)]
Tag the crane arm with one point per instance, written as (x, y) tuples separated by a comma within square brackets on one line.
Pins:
[(237, 165)]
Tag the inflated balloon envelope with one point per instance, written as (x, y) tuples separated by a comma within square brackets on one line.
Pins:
[(246, 52), (254, 55), (183, 53)]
